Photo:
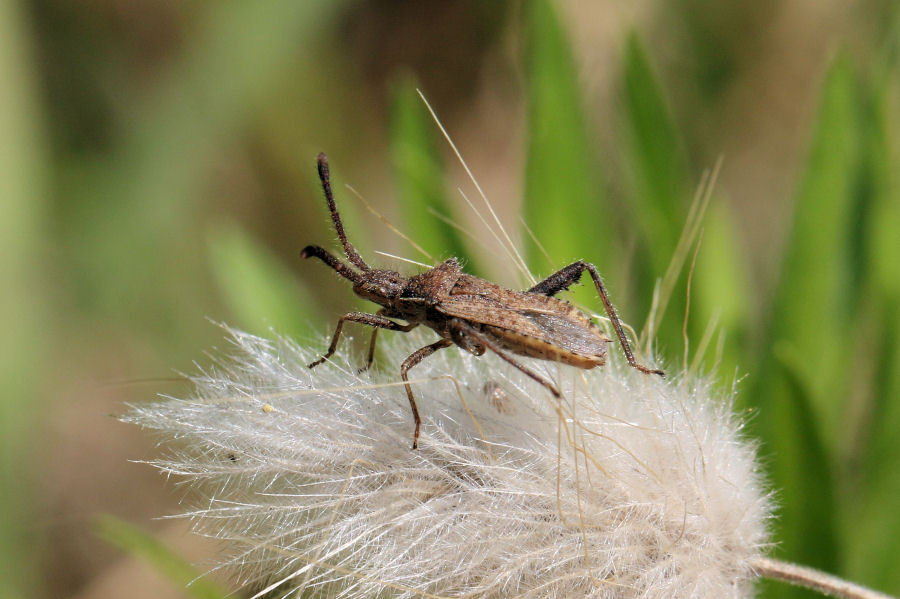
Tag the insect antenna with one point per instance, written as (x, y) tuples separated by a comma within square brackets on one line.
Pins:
[(314, 251), (325, 177)]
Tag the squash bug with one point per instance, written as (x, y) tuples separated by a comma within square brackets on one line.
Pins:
[(473, 313)]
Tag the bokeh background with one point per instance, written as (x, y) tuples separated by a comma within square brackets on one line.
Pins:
[(157, 176)]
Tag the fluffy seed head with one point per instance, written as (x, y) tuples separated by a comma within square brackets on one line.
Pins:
[(631, 486)]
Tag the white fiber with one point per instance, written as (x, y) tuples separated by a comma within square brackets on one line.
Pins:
[(633, 486)]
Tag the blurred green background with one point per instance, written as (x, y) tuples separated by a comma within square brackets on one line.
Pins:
[(157, 173)]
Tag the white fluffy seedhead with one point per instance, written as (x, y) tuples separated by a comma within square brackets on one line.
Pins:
[(632, 486)]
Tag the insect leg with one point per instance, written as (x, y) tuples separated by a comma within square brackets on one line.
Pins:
[(373, 320), (560, 280), (371, 353), (466, 328), (370, 356), (565, 277), (416, 357)]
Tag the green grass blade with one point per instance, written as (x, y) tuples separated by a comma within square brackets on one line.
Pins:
[(807, 531), (147, 190), (720, 285), (873, 538), (658, 180), (143, 545), (882, 141), (258, 289), (812, 319), (23, 301), (564, 200), (656, 161), (813, 308), (419, 173), (873, 522)]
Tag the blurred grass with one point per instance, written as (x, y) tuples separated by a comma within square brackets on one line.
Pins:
[(142, 199), (803, 374), (821, 271), (564, 203), (419, 174), (870, 446), (23, 309), (126, 239), (656, 163), (143, 545), (260, 292), (815, 320)]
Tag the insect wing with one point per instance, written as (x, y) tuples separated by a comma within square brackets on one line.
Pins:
[(577, 337), (540, 318)]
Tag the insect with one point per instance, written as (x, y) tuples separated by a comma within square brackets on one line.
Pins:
[(472, 313)]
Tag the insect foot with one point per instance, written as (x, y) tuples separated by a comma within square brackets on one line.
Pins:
[(473, 313)]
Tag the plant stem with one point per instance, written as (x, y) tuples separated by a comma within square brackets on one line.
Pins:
[(811, 578)]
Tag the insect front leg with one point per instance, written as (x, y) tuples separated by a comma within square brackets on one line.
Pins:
[(416, 357), (370, 355), (460, 328), (566, 277), (373, 320)]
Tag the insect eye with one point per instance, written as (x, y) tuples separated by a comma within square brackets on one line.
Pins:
[(396, 285)]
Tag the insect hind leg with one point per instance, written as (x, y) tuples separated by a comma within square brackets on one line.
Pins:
[(561, 280), (460, 327), (465, 341), (568, 276)]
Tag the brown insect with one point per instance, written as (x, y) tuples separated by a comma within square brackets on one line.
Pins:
[(473, 313)]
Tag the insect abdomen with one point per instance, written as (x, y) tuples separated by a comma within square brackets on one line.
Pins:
[(589, 356)]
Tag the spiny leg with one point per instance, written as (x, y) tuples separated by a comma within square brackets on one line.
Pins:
[(380, 322), (416, 357), (565, 277), (561, 280), (370, 356), (467, 329)]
